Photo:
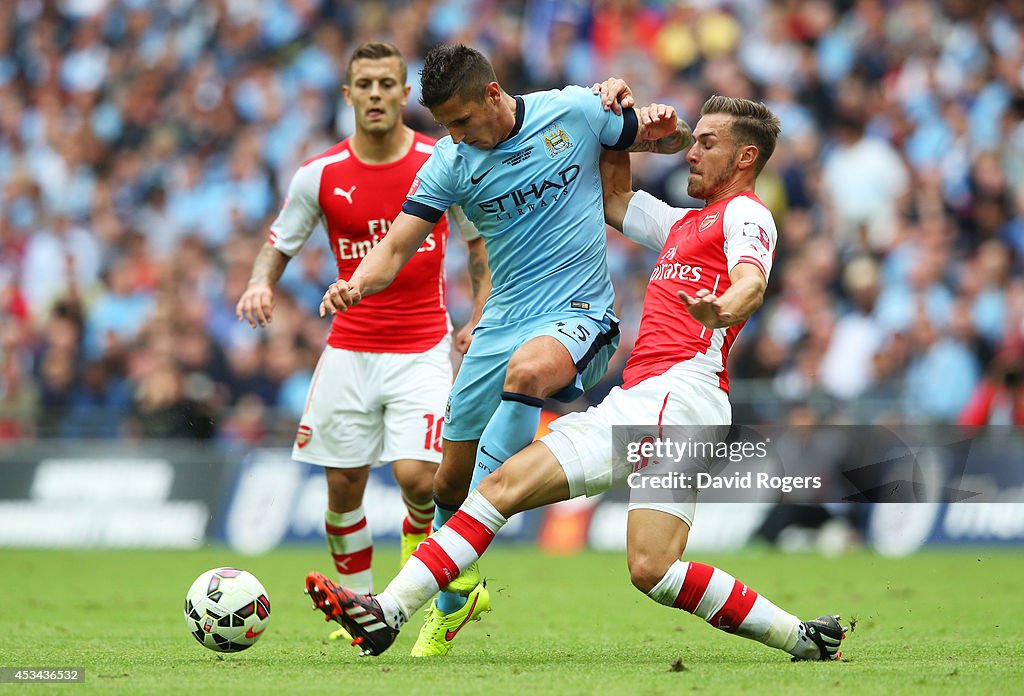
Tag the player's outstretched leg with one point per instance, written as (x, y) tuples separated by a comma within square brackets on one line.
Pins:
[(656, 538), (374, 621), (729, 605)]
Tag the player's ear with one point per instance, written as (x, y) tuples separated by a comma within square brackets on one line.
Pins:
[(348, 96), (493, 93), (405, 94), (747, 156)]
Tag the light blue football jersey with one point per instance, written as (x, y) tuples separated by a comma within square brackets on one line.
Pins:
[(536, 201)]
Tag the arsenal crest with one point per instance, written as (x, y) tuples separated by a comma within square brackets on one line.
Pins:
[(707, 222), (303, 436)]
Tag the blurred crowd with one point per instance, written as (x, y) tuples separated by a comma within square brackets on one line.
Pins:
[(145, 146)]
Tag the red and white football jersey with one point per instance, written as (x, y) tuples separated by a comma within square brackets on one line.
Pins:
[(698, 249), (356, 202)]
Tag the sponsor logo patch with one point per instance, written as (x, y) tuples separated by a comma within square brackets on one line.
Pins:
[(755, 231), (415, 185), (576, 304)]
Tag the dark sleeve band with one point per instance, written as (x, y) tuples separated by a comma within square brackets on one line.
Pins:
[(422, 211), (629, 129)]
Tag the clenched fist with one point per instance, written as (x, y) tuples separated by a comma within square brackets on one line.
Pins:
[(339, 297)]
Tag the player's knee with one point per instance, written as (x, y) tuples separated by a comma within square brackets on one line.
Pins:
[(498, 488), (345, 489), (646, 571), (419, 489), (449, 489), (526, 376)]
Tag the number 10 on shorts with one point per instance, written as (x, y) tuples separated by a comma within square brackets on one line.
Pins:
[(432, 436)]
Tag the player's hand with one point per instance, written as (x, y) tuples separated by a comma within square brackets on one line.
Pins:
[(656, 121), (615, 94), (256, 304), (707, 309), (463, 338), (339, 297)]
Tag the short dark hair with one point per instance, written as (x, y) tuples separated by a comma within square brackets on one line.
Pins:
[(753, 124), (454, 70), (375, 50)]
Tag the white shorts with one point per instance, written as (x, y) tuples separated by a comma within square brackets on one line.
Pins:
[(582, 442), (373, 408)]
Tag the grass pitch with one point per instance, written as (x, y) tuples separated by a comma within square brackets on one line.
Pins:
[(948, 622)]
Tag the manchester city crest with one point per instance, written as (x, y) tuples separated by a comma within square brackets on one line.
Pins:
[(556, 140)]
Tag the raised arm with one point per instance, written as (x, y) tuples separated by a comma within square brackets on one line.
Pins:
[(256, 304), (617, 186), (379, 267), (661, 131), (659, 127)]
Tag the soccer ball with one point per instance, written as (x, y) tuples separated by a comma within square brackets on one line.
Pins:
[(227, 609)]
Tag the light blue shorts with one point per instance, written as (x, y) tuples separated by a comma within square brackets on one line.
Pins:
[(478, 386)]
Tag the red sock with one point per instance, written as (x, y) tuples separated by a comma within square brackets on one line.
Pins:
[(418, 517)]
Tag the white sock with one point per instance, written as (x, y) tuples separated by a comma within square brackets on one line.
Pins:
[(351, 546)]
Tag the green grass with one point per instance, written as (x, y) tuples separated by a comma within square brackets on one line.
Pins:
[(937, 622)]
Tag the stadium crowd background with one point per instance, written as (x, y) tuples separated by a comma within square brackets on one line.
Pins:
[(145, 146)]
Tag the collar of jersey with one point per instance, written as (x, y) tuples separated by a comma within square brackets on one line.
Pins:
[(520, 115)]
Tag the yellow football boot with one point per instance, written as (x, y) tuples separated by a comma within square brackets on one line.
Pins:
[(440, 630)]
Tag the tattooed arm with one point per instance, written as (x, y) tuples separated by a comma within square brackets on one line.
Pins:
[(480, 276), (257, 302), (653, 120)]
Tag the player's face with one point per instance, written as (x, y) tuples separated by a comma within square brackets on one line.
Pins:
[(712, 157), (476, 123), (377, 94)]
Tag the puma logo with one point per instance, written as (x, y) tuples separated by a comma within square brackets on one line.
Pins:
[(347, 195)]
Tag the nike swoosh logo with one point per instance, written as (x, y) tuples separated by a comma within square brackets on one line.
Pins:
[(477, 179), (488, 454), (250, 634), (450, 635)]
